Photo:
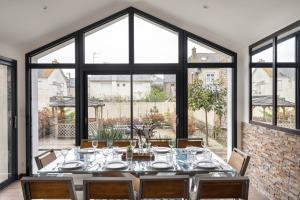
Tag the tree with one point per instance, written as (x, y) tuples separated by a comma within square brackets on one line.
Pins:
[(156, 94), (201, 97), (220, 101)]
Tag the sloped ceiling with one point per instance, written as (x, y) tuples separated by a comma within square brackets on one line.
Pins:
[(235, 24)]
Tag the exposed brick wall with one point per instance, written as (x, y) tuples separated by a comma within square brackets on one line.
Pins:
[(274, 167)]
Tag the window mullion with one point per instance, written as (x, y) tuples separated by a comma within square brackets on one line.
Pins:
[(298, 81), (274, 120)]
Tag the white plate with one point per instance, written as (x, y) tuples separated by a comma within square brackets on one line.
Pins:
[(86, 150), (72, 165), (195, 149), (121, 149), (162, 149), (206, 165), (160, 165), (116, 165)]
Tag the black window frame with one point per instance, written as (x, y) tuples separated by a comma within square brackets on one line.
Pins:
[(275, 66), (81, 70)]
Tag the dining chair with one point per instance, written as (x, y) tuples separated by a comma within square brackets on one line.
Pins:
[(48, 188), (87, 143), (45, 158), (183, 143), (236, 187), (108, 188), (164, 187), (239, 161), (159, 142), (122, 143)]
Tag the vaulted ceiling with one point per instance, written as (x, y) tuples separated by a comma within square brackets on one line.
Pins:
[(233, 23)]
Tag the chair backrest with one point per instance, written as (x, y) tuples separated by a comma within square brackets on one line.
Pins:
[(164, 187), (122, 143), (48, 188), (183, 143), (45, 158), (239, 161), (108, 188), (88, 143), (159, 142), (223, 187)]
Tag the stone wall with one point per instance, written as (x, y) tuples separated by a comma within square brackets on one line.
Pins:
[(274, 167)]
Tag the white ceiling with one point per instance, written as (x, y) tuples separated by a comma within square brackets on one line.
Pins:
[(24, 24)]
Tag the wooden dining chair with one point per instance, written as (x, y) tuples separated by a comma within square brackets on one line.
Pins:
[(48, 188), (45, 158), (88, 143), (183, 143), (164, 187), (108, 188), (122, 143), (159, 142), (239, 161), (223, 187)]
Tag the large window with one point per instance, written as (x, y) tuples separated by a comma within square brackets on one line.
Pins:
[(209, 107), (52, 109), (59, 54), (129, 71), (275, 80), (154, 43), (108, 43)]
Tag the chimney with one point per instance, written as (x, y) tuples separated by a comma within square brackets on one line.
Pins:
[(194, 51)]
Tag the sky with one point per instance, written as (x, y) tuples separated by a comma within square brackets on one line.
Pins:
[(109, 44), (152, 44)]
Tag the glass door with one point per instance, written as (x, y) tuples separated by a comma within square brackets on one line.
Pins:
[(116, 104), (154, 104), (8, 123)]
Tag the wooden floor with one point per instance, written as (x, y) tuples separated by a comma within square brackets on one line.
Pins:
[(14, 192)]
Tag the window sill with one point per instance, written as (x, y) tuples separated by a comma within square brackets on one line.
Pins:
[(270, 126)]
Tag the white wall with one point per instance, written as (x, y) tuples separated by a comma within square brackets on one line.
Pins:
[(242, 90), (14, 53)]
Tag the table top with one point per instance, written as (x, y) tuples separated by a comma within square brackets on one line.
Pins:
[(179, 160)]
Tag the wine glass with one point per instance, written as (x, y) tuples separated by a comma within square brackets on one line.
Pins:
[(105, 154), (95, 145), (133, 143), (64, 153), (171, 144)]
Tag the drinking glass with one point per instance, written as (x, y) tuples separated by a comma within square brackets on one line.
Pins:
[(64, 153), (133, 143), (95, 144), (105, 154), (148, 146), (109, 143), (171, 144)]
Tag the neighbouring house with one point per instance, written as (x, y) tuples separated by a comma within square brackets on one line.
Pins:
[(262, 83), (51, 82)]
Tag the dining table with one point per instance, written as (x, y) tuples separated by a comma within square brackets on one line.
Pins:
[(190, 161)]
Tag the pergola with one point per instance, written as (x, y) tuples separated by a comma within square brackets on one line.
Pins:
[(61, 102), (266, 101)]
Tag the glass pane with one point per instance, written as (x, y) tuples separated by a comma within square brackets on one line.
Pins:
[(209, 103), (262, 95), (286, 92), (286, 50), (109, 106), (108, 43), (52, 109), (263, 53), (154, 43), (200, 53), (154, 104), (63, 53), (5, 123)]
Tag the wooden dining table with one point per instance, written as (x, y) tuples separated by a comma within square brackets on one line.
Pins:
[(181, 160)]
